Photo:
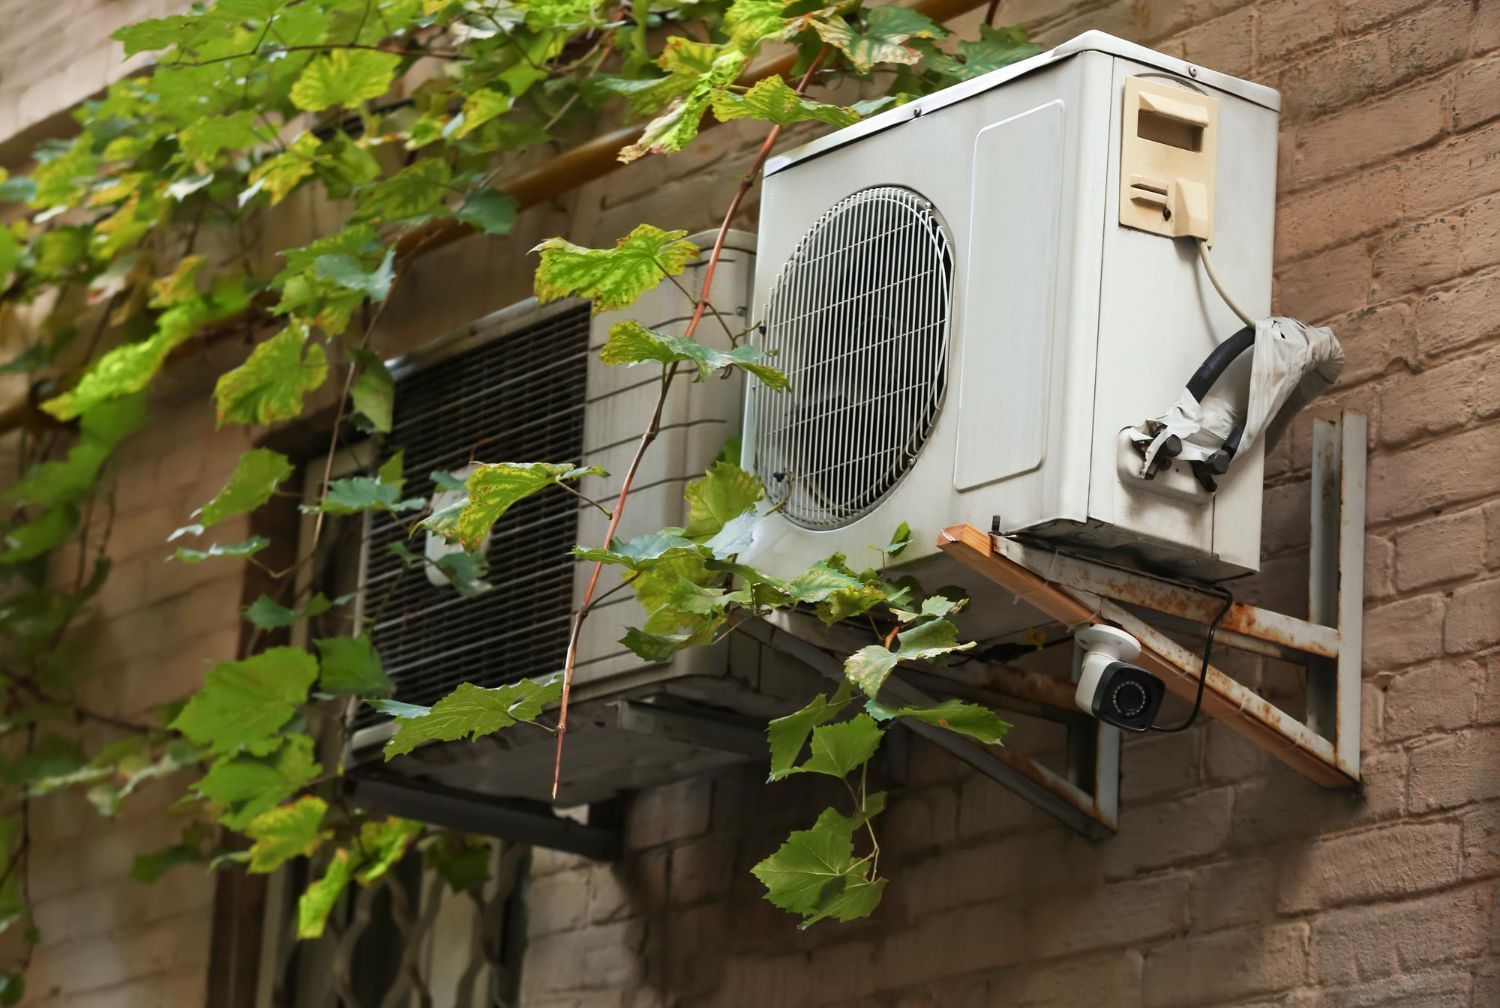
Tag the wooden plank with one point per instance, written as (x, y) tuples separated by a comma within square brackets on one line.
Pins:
[(1241, 709)]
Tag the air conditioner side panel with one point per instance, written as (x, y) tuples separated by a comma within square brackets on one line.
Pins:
[(697, 421)]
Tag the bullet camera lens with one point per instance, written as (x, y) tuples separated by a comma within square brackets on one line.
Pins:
[(1128, 697)]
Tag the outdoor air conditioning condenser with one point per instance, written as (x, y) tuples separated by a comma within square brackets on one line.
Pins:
[(976, 296)]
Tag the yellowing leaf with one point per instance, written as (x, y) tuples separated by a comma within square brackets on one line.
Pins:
[(245, 785), (280, 174), (869, 667), (490, 492), (318, 899), (272, 382), (415, 191), (722, 494), (773, 101), (886, 31), (125, 369), (612, 278), (479, 108), (285, 832), (243, 703), (344, 77), (179, 285), (675, 128)]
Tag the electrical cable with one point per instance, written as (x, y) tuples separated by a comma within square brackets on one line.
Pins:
[(1208, 647), (1213, 278)]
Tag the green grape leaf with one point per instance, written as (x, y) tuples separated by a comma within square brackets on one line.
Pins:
[(70, 480), (491, 490), (489, 211), (479, 108), (612, 278), (471, 711), (155, 34), (900, 539), (256, 476), (243, 703), (771, 100), (286, 832), (869, 667), (318, 899), (351, 665), (152, 866), (344, 77), (654, 647), (240, 550), (751, 22), (841, 747), (272, 382), (268, 614), (835, 592), (354, 494), (350, 273), (41, 535), (886, 31), (126, 369), (206, 137), (461, 861), (815, 874), (415, 191), (723, 494), (281, 173), (788, 734), (995, 48), (957, 716), (246, 785), (373, 395), (383, 843), (632, 343)]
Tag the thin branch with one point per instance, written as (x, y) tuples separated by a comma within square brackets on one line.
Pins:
[(653, 428), (326, 47)]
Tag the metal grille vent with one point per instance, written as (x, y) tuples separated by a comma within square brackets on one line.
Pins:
[(517, 396), (858, 319)]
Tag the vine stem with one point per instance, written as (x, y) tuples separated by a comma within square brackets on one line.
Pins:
[(654, 428)]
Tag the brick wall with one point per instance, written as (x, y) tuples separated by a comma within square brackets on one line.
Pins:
[(1232, 882)]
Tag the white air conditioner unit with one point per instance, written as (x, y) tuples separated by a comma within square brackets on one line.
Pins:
[(526, 384), (973, 304)]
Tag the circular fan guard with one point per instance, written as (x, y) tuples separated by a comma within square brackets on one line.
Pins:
[(858, 320)]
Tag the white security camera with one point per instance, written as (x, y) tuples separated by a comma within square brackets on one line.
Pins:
[(1109, 687)]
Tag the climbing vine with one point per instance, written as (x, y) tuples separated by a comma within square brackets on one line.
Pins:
[(137, 239)]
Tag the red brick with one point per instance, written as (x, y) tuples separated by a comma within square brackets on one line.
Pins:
[(1438, 696), (1338, 77), (1380, 556), (1453, 173), (1481, 841), (1357, 15), (1326, 284), (1442, 549), (1222, 44), (1476, 94), (1338, 212), (1154, 836), (1440, 989), (1436, 37), (1453, 469), (1455, 770), (1287, 27), (1368, 943), (1361, 134), (1418, 256), (1456, 318), (1380, 864), (1228, 966), (1403, 633), (1374, 338), (1232, 893), (1473, 620), (1481, 233)]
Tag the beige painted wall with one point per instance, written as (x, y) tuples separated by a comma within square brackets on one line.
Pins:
[(1232, 880)]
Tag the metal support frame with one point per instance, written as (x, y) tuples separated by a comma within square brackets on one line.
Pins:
[(510, 819), (1075, 592), (1089, 804)]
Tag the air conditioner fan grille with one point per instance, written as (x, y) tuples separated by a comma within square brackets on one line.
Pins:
[(858, 320)]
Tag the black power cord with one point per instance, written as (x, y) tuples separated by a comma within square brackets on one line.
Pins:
[(1208, 648)]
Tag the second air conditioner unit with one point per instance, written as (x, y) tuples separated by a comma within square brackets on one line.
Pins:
[(525, 384), (973, 301)]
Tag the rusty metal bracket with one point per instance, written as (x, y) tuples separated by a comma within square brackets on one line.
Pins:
[(1086, 799), (1076, 592)]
